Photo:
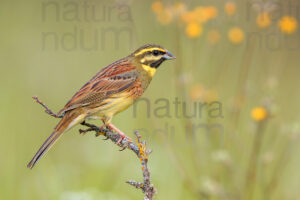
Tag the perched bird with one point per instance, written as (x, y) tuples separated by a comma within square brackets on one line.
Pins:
[(109, 92)]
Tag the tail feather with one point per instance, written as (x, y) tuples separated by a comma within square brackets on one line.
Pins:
[(69, 120)]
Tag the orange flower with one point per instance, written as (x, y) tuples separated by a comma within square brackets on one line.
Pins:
[(210, 12), (259, 113), (213, 36), (157, 7), (200, 14), (193, 30), (263, 19), (189, 17), (197, 15), (236, 35), (230, 8), (288, 24)]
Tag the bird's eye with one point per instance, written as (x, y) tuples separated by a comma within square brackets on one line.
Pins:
[(155, 53)]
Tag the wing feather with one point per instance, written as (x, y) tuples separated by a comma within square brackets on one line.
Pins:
[(115, 78)]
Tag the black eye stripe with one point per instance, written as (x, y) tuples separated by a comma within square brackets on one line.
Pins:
[(151, 53), (157, 52)]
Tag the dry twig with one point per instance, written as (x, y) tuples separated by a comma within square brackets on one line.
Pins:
[(139, 149)]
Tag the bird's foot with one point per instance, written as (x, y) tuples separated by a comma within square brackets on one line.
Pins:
[(122, 135)]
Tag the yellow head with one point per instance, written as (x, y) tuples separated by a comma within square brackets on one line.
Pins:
[(151, 56)]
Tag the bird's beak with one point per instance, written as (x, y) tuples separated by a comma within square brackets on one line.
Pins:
[(169, 56)]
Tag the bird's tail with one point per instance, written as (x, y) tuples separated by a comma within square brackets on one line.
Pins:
[(69, 120)]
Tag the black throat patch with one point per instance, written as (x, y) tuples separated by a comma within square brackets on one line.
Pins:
[(157, 63)]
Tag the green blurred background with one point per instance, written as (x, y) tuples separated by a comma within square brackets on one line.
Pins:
[(242, 54)]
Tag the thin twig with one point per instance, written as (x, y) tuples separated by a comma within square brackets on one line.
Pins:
[(47, 110), (139, 149)]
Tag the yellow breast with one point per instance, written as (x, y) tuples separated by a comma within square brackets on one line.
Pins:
[(112, 106)]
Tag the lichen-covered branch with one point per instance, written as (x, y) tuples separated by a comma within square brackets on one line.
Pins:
[(146, 186), (138, 148)]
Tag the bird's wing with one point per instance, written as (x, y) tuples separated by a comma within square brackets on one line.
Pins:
[(112, 79)]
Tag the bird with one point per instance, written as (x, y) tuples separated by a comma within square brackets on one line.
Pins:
[(112, 90)]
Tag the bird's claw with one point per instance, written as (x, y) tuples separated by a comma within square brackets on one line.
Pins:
[(122, 138)]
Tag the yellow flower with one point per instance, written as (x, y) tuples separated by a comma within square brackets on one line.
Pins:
[(259, 113), (213, 36), (230, 8), (196, 92), (193, 30), (236, 35), (157, 7), (288, 24), (165, 17), (263, 19)]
